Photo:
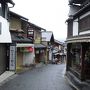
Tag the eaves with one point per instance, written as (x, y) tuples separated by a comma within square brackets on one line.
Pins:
[(83, 10)]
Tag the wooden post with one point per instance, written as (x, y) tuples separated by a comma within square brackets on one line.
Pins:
[(68, 58), (82, 61)]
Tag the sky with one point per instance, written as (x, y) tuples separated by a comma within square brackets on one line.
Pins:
[(48, 14)]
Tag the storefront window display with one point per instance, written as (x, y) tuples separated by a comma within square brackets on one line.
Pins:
[(76, 57)]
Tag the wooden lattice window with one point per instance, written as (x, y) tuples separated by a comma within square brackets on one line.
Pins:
[(84, 24)]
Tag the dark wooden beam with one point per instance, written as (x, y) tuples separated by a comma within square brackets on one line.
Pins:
[(68, 60), (82, 61), (76, 1)]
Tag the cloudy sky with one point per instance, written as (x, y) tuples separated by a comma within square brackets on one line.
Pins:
[(48, 14)]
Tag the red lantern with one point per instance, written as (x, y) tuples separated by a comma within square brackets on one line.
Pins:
[(30, 49)]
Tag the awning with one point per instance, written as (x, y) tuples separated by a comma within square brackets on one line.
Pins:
[(24, 45), (78, 39), (39, 46)]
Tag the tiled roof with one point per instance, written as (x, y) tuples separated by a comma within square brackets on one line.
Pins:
[(61, 43), (76, 1), (39, 46), (46, 36), (7, 1), (20, 39)]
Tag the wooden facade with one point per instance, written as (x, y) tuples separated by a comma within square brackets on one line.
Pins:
[(18, 29), (3, 58), (70, 27), (78, 44), (48, 40), (84, 24), (58, 51), (34, 33)]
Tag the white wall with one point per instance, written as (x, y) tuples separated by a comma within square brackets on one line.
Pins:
[(5, 36), (28, 58), (81, 17), (75, 27)]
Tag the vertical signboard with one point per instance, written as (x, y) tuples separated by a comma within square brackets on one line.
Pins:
[(12, 62)]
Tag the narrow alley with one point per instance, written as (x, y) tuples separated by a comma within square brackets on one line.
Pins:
[(47, 77)]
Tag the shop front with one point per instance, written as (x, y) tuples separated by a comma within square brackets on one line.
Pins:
[(78, 59), (25, 56), (40, 53), (21, 51)]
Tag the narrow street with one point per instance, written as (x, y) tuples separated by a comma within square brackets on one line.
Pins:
[(48, 77)]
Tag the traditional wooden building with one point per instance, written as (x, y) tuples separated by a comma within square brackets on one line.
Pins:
[(21, 48), (5, 37), (34, 33), (59, 51), (48, 40), (78, 41)]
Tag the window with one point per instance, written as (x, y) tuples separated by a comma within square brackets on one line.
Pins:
[(31, 33), (84, 24), (75, 54), (75, 27)]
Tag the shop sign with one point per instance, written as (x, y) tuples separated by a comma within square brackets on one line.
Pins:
[(12, 62)]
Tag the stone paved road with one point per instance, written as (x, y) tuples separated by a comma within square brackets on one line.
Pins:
[(48, 77)]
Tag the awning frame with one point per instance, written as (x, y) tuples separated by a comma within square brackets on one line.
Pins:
[(24, 45)]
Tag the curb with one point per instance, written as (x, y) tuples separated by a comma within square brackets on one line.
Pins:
[(76, 83), (75, 87), (6, 77)]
